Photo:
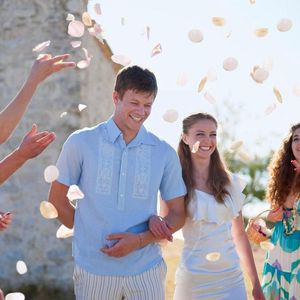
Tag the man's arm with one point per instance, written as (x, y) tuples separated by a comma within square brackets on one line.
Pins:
[(41, 69), (58, 197), (31, 146)]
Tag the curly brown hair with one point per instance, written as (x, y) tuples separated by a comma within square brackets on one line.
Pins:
[(218, 176), (283, 178)]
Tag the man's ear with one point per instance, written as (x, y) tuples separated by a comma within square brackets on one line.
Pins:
[(115, 96)]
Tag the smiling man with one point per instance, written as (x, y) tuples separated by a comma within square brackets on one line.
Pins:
[(120, 167)]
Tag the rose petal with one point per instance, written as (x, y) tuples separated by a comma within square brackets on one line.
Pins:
[(284, 25), (195, 35), (97, 9), (76, 28), (261, 32), (86, 19), (195, 147), (277, 94), (209, 97), (218, 21), (75, 44), (15, 296), (170, 115), (64, 232), (70, 17), (230, 64), (213, 256), (81, 107), (121, 60), (21, 267), (48, 210), (74, 193), (202, 84), (41, 46), (259, 74), (156, 50), (51, 173)]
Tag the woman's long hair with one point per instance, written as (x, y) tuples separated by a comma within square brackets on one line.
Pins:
[(282, 174), (218, 176)]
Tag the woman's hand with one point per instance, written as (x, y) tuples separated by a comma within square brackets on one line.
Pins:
[(160, 228), (257, 293), (275, 215)]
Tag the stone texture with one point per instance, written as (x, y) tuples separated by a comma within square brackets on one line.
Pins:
[(31, 238)]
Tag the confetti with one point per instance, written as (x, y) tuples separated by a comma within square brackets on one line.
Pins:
[(284, 25), (213, 256), (121, 60), (195, 147), (209, 97), (64, 232), (230, 64), (195, 35), (266, 245), (218, 21), (81, 107), (86, 19), (75, 44), (97, 9), (70, 17), (21, 267), (41, 46), (236, 145), (202, 84), (51, 173), (270, 109), (76, 29), (170, 115), (259, 74), (48, 210), (63, 114), (182, 79), (277, 94), (156, 50), (261, 32), (15, 296), (74, 193)]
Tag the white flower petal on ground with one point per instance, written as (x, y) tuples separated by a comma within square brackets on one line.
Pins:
[(97, 9), (74, 193), (81, 107), (195, 35), (156, 50), (76, 28), (121, 60), (277, 94), (171, 115), (48, 210), (86, 19), (15, 296), (266, 245), (284, 25), (70, 17), (51, 173), (230, 64), (218, 21), (195, 147), (21, 267), (259, 74), (202, 84), (209, 97), (64, 232), (75, 44), (41, 46), (213, 256), (261, 32)]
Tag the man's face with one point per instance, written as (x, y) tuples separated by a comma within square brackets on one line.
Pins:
[(132, 110)]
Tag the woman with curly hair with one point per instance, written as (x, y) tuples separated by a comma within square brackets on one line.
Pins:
[(281, 274)]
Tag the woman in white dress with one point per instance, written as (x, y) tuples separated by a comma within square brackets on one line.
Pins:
[(214, 237)]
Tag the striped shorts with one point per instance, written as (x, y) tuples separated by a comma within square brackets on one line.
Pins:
[(149, 285)]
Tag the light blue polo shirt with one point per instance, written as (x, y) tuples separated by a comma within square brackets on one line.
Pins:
[(120, 183)]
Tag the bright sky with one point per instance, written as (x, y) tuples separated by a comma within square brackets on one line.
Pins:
[(240, 102)]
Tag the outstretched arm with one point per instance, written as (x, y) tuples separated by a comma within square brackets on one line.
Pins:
[(33, 144), (41, 69)]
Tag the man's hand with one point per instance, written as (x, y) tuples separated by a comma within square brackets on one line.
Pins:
[(34, 143), (5, 220), (160, 228), (126, 243)]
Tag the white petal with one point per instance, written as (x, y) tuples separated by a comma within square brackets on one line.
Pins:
[(81, 107), (51, 173), (170, 115), (86, 19), (270, 108), (296, 90), (41, 46), (70, 17), (15, 296), (284, 25), (212, 74), (74, 193), (64, 232), (121, 60), (76, 29), (259, 74), (209, 97), (202, 84), (97, 9), (230, 64), (195, 35), (218, 21), (63, 114), (182, 79), (21, 267), (75, 44), (156, 50), (48, 210)]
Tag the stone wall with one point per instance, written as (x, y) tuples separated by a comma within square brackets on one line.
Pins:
[(31, 238)]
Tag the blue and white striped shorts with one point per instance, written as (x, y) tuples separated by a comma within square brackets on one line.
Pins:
[(149, 285)]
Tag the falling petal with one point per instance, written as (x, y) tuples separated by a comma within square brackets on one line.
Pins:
[(64, 232), (212, 75), (76, 29), (121, 60), (74, 193), (218, 21), (81, 107), (284, 25), (252, 1), (148, 32), (170, 115), (21, 267), (268, 64), (296, 90), (15, 296), (195, 147), (277, 94), (270, 108), (75, 44), (236, 145), (266, 245), (51, 173), (261, 32), (230, 64), (48, 210), (97, 9), (156, 50), (202, 84), (83, 64), (244, 156), (228, 35), (182, 79), (209, 97), (259, 74), (213, 256), (70, 17), (195, 36), (122, 21), (86, 19), (41, 46), (63, 114)]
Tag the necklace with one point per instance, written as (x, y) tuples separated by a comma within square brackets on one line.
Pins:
[(289, 220)]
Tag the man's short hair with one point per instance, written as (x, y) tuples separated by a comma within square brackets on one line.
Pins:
[(137, 79)]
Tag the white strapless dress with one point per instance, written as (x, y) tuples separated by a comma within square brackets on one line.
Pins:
[(207, 231)]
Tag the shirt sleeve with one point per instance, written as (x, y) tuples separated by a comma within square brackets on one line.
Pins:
[(70, 161), (172, 184)]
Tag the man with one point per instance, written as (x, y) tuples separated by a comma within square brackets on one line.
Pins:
[(120, 167)]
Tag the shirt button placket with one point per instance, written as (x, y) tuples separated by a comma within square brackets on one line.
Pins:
[(122, 181)]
